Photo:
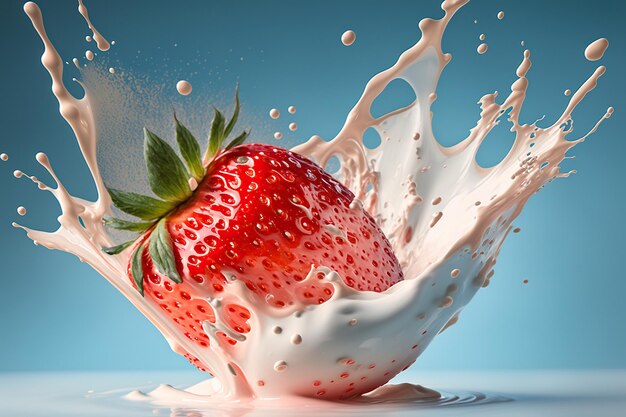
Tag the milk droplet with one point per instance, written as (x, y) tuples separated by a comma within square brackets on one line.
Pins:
[(277, 329), (112, 70), (89, 55), (482, 37), (567, 92), (278, 135), (348, 37), (356, 204), (193, 183), (88, 38), (436, 201), (17, 173), (274, 113), (596, 49), (280, 366), (446, 302), (76, 64), (183, 87), (455, 273), (522, 43), (296, 339), (436, 217), (293, 127), (4, 157), (525, 281), (21, 211), (482, 48), (500, 15), (291, 109)]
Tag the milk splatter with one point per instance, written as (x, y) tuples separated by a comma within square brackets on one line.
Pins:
[(184, 88), (101, 41), (274, 113), (21, 210), (348, 37), (596, 49), (482, 48), (473, 218), (293, 126), (4, 157)]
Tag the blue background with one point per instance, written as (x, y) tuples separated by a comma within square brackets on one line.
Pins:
[(56, 313)]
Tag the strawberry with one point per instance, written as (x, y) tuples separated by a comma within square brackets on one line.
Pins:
[(262, 214)]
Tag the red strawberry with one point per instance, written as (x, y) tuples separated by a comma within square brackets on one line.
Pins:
[(262, 213)]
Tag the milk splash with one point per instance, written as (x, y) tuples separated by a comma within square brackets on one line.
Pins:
[(446, 229)]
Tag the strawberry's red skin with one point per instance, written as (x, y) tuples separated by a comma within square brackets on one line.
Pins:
[(262, 213)]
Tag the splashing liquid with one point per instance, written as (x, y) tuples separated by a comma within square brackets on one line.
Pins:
[(596, 49), (101, 41), (348, 37), (184, 87), (445, 216)]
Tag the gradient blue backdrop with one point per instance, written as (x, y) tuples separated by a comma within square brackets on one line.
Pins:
[(56, 313)]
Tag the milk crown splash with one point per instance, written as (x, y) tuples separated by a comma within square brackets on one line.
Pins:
[(446, 229)]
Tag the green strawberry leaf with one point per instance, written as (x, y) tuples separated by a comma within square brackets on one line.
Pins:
[(169, 179), (144, 207), (121, 224), (167, 175), (238, 140), (161, 252), (233, 119), (136, 269), (216, 136), (190, 150), (114, 250)]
